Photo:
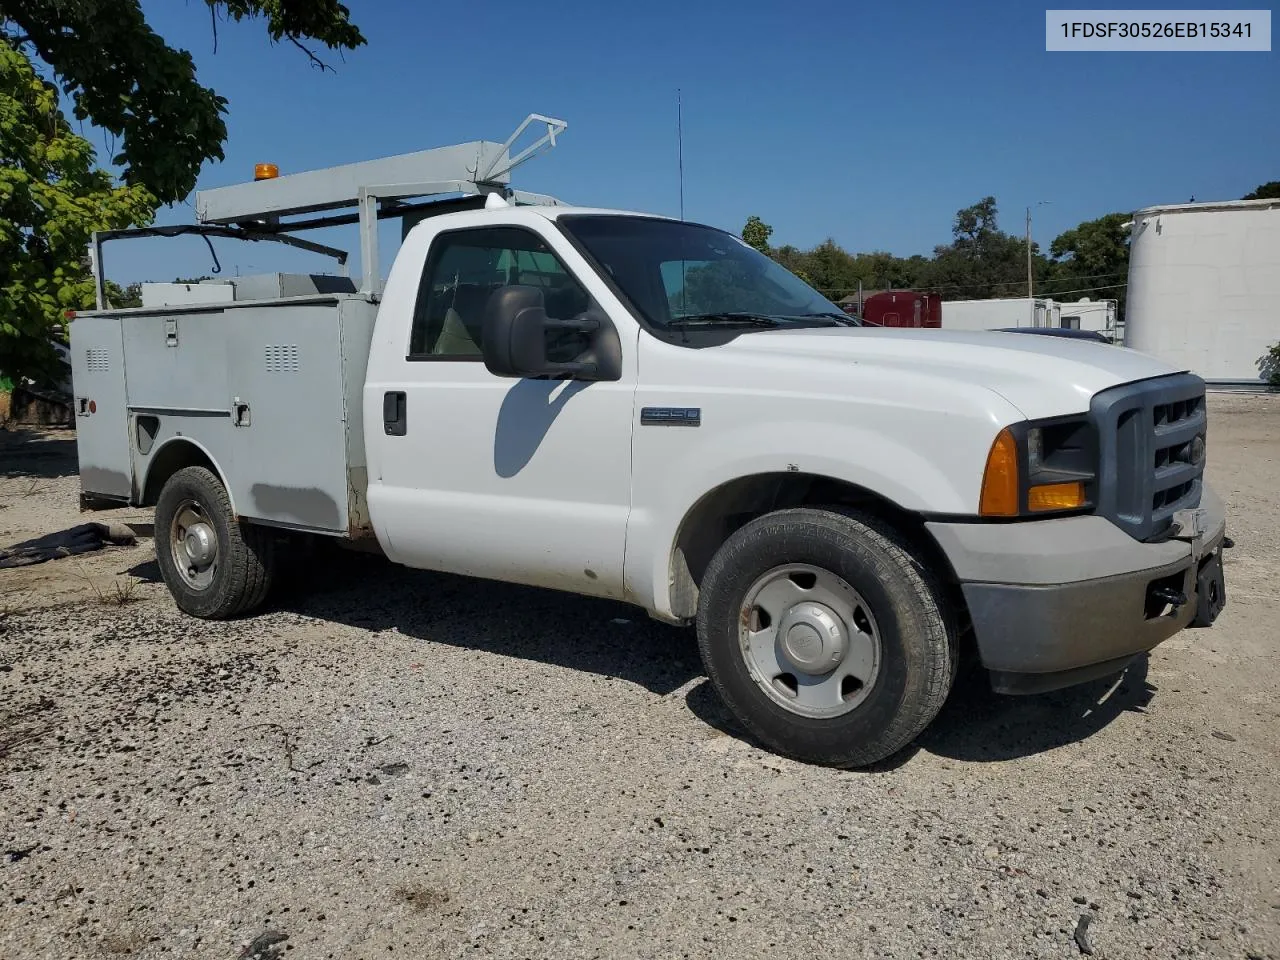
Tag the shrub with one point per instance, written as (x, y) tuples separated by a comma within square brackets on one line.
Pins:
[(1269, 365)]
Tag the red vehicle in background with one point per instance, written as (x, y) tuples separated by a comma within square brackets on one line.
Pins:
[(896, 308)]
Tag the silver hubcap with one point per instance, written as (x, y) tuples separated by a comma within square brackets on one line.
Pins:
[(195, 545), (809, 640)]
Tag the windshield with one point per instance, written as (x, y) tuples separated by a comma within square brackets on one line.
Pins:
[(681, 275)]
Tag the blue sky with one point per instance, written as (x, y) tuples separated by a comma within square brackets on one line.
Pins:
[(869, 123)]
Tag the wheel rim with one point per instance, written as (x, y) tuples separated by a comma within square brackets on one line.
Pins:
[(194, 545), (809, 640)]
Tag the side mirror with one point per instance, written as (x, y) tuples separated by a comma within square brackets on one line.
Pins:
[(514, 336)]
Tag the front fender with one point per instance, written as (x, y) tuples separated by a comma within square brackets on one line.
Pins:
[(931, 466)]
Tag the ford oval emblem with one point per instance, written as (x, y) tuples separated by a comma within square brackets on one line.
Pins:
[(1197, 450)]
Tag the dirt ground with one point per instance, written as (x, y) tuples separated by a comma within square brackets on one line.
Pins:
[(388, 762)]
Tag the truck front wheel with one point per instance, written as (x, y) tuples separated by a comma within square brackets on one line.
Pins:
[(214, 566), (825, 636)]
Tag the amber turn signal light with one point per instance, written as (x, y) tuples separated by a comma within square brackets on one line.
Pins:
[(1056, 496), (1000, 479)]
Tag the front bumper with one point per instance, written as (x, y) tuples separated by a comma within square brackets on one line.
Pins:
[(1059, 602)]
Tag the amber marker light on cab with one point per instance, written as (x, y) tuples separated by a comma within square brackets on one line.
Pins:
[(265, 171)]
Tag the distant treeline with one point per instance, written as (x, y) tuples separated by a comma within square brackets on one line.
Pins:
[(981, 261)]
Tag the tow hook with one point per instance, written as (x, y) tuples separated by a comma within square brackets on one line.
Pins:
[(1170, 595)]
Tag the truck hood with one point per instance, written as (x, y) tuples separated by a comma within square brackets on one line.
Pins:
[(1041, 376)]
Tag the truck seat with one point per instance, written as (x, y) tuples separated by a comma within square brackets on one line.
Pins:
[(454, 338)]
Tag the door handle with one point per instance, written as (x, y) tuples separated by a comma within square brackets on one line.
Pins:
[(395, 414)]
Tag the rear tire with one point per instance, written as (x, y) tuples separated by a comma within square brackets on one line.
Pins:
[(825, 636), (215, 566)]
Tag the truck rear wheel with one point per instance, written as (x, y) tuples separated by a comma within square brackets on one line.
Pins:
[(214, 566), (826, 638)]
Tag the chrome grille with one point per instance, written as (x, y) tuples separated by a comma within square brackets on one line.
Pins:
[(1151, 446)]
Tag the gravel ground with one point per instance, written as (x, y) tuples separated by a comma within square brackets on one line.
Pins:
[(391, 762)]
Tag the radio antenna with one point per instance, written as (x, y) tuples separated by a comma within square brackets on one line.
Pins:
[(680, 146)]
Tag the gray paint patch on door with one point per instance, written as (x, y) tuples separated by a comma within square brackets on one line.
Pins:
[(306, 506), (108, 482)]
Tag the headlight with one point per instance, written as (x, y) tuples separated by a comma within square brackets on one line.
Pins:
[(1041, 467), (1035, 448)]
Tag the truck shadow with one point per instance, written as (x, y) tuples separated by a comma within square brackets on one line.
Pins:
[(595, 636), (979, 726), (528, 410), (37, 453), (616, 640)]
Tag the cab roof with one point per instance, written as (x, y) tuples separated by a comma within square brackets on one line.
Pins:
[(563, 210)]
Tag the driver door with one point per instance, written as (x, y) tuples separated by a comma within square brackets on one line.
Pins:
[(522, 480)]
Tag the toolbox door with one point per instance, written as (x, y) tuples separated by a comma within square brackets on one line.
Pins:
[(101, 414)]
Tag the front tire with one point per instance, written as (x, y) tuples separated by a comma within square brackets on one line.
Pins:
[(214, 566), (825, 636)]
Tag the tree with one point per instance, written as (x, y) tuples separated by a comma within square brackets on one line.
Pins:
[(975, 226), (1092, 257), (756, 234), (982, 261), (128, 296), (52, 197), (713, 287), (125, 79), (793, 259), (122, 77), (1267, 191), (879, 270)]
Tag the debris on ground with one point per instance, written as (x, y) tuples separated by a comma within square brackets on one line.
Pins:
[(84, 538), (265, 946), (1082, 938), (13, 856)]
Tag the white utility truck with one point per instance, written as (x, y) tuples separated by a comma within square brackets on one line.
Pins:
[(642, 408)]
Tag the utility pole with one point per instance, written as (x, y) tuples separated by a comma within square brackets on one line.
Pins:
[(1030, 281), (1031, 305)]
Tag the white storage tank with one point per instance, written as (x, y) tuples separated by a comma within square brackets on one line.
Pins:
[(1204, 286)]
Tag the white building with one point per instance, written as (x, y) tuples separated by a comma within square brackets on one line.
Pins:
[(1097, 315), (1002, 312)]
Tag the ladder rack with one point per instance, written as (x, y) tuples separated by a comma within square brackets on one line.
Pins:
[(460, 176)]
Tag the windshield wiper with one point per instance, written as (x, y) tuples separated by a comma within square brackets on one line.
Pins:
[(764, 320), (841, 318), (722, 319)]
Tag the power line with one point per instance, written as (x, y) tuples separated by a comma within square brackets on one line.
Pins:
[(1113, 286), (831, 291), (999, 283), (1071, 279)]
